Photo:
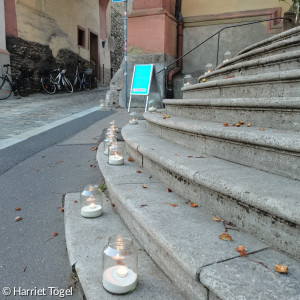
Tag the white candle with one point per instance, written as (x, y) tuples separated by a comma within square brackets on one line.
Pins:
[(133, 121), (152, 109), (91, 211), (116, 160), (119, 279)]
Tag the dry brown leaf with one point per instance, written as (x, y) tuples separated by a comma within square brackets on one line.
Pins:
[(241, 122), (54, 234), (94, 148), (75, 201), (142, 205), (237, 125), (18, 219), (203, 80), (225, 124), (130, 159), (189, 156), (229, 76), (139, 172), (17, 209), (62, 209), (169, 190), (281, 268), (216, 219), (174, 205), (241, 250), (37, 170), (164, 116), (261, 129), (225, 237), (144, 186), (248, 125), (192, 204), (112, 204)]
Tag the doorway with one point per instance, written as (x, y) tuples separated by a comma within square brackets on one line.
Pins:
[(94, 55)]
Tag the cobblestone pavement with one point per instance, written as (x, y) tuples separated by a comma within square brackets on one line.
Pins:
[(18, 116)]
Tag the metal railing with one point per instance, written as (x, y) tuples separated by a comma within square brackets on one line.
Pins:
[(218, 43)]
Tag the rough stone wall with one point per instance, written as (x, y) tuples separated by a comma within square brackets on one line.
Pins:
[(38, 58)]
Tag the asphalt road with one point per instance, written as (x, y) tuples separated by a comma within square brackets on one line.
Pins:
[(34, 176)]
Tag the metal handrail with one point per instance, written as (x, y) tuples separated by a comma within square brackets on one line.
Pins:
[(218, 45)]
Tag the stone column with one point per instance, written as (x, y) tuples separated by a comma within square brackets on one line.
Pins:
[(4, 54)]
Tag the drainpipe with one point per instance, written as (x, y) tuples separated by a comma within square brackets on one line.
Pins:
[(178, 68)]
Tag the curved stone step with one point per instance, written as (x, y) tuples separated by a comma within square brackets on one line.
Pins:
[(274, 63), (260, 203), (273, 39), (277, 113), (274, 151), (184, 240), (279, 84)]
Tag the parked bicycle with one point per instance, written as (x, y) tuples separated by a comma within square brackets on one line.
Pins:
[(18, 85), (85, 82), (54, 80)]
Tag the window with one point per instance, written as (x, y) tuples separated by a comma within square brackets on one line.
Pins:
[(81, 36)]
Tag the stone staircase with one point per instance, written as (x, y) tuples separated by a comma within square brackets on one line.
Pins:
[(195, 165)]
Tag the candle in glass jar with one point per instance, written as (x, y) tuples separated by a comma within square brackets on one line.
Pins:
[(152, 109), (91, 211), (116, 160), (119, 279), (133, 121)]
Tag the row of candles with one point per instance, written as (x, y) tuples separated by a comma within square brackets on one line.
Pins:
[(187, 80), (119, 256)]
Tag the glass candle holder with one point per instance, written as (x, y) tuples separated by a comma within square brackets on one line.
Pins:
[(187, 80), (152, 106), (208, 68), (120, 265), (91, 201), (102, 104), (115, 154), (227, 56), (107, 142), (133, 118)]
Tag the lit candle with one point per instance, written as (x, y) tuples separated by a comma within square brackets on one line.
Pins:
[(133, 121), (91, 211), (119, 279), (152, 109), (116, 160)]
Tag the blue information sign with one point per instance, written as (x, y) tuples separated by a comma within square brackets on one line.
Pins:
[(118, 0), (141, 80)]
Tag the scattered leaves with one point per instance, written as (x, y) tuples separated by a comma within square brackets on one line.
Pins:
[(169, 190), (174, 205), (62, 209), (130, 159), (261, 129), (192, 204), (225, 237), (17, 209), (139, 172), (144, 186), (216, 219), (94, 148), (54, 234), (18, 219), (225, 124), (281, 269)]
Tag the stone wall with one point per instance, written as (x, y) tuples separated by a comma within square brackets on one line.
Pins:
[(37, 57)]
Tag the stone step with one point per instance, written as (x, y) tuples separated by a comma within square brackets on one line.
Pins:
[(279, 84), (274, 63), (273, 151), (283, 46), (184, 240), (86, 239), (258, 202), (278, 113), (273, 39)]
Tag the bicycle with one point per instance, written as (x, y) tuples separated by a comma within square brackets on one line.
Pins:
[(10, 84), (85, 82), (51, 84)]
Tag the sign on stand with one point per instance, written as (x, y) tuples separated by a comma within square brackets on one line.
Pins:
[(141, 82)]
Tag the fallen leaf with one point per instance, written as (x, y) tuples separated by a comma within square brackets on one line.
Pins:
[(18, 219), (168, 116), (189, 156), (281, 268), (225, 124), (169, 190), (240, 248), (164, 117), (229, 76), (192, 204), (203, 80), (139, 172), (261, 129), (112, 204), (75, 201), (225, 237), (17, 209), (94, 148), (231, 224), (216, 219), (54, 234), (248, 125), (144, 186), (91, 166), (241, 122), (62, 209), (174, 205), (37, 170), (237, 125), (130, 159), (142, 205)]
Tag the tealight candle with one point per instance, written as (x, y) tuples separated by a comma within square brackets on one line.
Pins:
[(116, 160), (91, 201), (133, 118), (152, 109), (91, 211)]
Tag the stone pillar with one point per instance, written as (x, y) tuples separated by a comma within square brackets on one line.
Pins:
[(4, 55)]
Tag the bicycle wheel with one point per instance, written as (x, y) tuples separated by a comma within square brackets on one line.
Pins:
[(77, 84), (87, 82), (67, 84), (48, 85), (5, 88)]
